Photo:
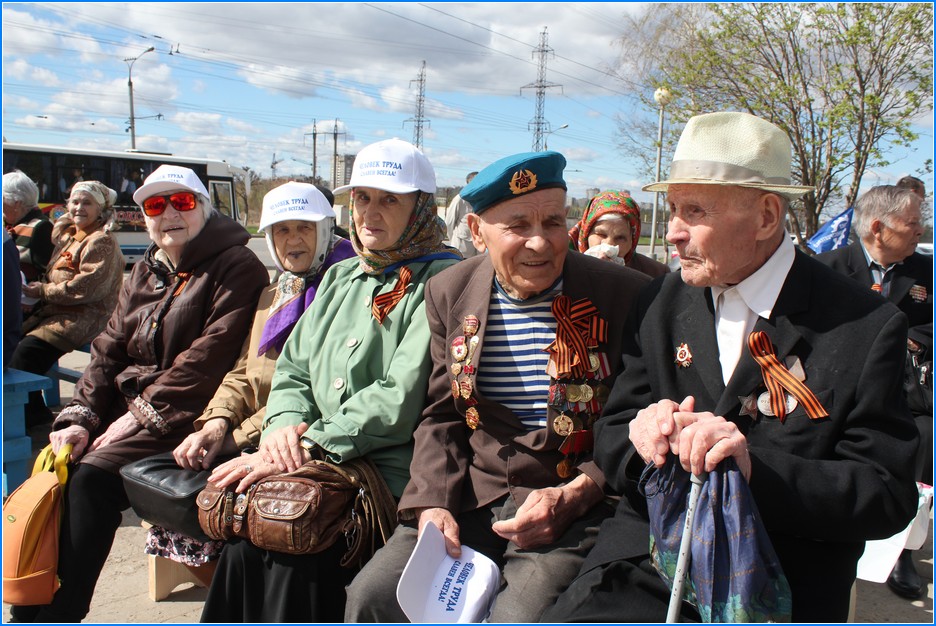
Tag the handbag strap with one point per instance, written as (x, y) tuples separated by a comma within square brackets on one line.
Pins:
[(47, 461), (373, 511)]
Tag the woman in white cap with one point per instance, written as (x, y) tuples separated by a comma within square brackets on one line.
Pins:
[(299, 225), (180, 321), (78, 291), (351, 382)]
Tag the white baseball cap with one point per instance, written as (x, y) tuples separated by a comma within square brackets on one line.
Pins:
[(392, 165), (169, 178), (436, 588), (294, 201)]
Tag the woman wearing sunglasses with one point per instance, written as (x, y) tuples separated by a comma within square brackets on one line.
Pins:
[(78, 291), (180, 321)]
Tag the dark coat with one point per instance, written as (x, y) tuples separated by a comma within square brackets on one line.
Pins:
[(823, 486), (647, 265), (916, 269), (461, 469), (169, 343)]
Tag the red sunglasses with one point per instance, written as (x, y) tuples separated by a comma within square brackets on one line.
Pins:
[(181, 200)]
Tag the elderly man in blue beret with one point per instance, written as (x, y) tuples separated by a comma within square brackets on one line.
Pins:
[(525, 347)]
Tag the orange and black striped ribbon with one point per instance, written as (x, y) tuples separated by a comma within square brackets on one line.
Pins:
[(384, 303), (777, 378), (183, 281), (577, 325), (876, 287)]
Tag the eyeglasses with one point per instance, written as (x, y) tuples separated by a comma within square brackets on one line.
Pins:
[(181, 200)]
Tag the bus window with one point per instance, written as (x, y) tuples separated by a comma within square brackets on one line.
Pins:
[(222, 197)]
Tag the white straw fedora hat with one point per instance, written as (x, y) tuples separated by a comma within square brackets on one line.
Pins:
[(732, 149)]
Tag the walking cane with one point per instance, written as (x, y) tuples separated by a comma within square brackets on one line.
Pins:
[(682, 561)]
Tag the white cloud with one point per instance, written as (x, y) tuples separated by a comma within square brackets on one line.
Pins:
[(198, 123), (241, 126), (581, 154)]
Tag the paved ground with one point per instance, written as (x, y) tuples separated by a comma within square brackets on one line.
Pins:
[(121, 595)]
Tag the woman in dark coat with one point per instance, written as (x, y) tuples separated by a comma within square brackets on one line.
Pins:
[(180, 321)]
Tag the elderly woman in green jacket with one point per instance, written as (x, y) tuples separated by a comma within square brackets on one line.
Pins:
[(350, 383)]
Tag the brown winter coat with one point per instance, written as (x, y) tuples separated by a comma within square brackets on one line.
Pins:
[(79, 292), (171, 340)]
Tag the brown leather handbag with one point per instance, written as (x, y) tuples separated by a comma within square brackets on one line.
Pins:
[(306, 511)]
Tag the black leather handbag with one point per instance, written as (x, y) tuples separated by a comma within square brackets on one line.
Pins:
[(164, 494), (918, 385)]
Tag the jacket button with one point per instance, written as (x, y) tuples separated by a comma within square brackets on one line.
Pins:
[(367, 301), (515, 480), (352, 342), (339, 383)]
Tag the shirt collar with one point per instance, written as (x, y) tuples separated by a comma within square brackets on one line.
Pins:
[(761, 289), (870, 260)]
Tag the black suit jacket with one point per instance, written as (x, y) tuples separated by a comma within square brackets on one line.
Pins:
[(461, 469), (823, 487), (916, 269)]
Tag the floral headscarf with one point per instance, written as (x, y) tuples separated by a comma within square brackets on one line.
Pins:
[(104, 196), (422, 237), (605, 203)]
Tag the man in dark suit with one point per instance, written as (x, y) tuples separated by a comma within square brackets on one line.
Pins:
[(828, 459), (888, 225), (525, 346)]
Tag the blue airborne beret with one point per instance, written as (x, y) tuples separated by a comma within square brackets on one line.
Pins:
[(514, 176)]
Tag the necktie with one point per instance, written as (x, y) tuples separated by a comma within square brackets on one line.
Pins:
[(385, 302), (729, 329)]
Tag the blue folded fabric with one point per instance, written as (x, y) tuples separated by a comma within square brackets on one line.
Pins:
[(735, 574)]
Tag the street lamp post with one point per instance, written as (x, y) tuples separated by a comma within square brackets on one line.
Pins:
[(662, 97), (130, 61), (550, 132)]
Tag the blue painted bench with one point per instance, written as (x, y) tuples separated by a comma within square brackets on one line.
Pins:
[(53, 396), (17, 447)]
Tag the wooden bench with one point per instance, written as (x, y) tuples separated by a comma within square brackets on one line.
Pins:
[(165, 575), (17, 447), (53, 396)]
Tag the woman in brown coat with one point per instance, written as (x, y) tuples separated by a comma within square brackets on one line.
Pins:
[(178, 328), (78, 292)]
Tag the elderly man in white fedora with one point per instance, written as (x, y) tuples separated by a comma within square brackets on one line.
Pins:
[(757, 352)]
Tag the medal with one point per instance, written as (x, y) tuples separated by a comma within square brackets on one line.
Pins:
[(594, 363), (459, 350), (749, 405), (472, 418), (563, 425), (683, 356), (454, 388), (587, 393), (465, 388), (473, 344), (564, 469), (602, 393), (557, 398), (763, 403), (471, 401), (456, 369), (573, 393), (470, 325)]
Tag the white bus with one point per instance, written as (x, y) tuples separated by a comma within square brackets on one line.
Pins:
[(56, 169)]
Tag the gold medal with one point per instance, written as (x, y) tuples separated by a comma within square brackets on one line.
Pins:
[(602, 393), (456, 369), (573, 393), (473, 344), (459, 349), (472, 418), (454, 388), (586, 392), (563, 425), (564, 469), (594, 363)]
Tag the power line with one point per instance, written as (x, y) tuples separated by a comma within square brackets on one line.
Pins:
[(538, 124)]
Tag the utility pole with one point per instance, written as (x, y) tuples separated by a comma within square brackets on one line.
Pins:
[(420, 119), (538, 124), (314, 134), (335, 134)]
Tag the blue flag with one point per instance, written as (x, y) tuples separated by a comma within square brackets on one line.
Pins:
[(833, 234)]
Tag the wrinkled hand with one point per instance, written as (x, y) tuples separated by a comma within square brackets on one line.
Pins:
[(444, 521), (76, 435), (247, 469), (654, 429), (546, 513), (705, 440), (33, 290), (198, 450), (282, 449), (123, 427)]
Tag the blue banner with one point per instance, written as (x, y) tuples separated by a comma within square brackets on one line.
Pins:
[(833, 234)]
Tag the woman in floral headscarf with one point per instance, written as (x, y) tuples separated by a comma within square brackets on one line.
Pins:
[(78, 292), (610, 229), (350, 382)]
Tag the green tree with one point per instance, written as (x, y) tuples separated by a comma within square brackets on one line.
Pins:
[(845, 81)]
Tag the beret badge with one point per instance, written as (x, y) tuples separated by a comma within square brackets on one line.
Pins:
[(522, 181)]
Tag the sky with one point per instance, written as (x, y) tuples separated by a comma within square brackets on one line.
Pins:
[(249, 83)]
